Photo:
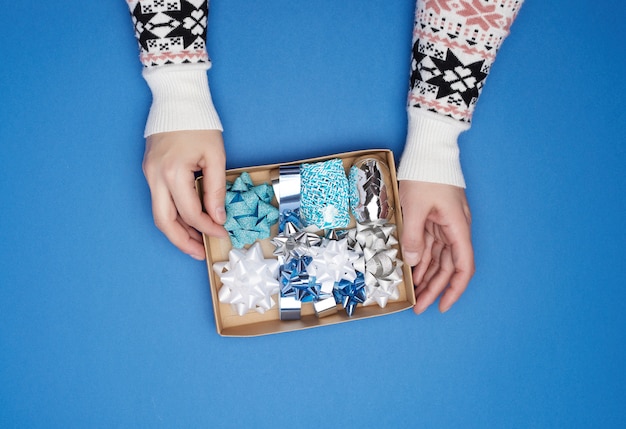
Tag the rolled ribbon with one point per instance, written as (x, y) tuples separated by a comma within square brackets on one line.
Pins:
[(287, 190), (370, 190), (324, 195), (292, 246)]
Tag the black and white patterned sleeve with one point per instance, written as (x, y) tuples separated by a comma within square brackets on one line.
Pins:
[(172, 48), (170, 31)]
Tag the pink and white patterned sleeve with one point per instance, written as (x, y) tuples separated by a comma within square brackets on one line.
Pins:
[(455, 43), (172, 44)]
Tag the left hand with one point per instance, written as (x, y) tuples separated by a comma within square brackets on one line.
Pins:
[(436, 241), (169, 164)]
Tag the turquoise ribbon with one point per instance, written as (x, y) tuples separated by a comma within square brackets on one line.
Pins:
[(325, 196)]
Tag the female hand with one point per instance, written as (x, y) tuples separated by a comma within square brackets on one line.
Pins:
[(169, 164), (436, 241)]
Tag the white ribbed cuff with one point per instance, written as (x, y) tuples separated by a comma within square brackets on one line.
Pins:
[(431, 152), (181, 99)]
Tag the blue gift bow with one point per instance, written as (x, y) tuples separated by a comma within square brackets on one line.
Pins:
[(350, 294), (296, 282), (292, 216)]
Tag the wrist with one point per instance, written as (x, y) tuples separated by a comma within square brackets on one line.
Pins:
[(181, 99), (431, 152)]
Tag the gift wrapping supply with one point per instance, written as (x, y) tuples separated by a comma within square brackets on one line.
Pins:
[(350, 268)]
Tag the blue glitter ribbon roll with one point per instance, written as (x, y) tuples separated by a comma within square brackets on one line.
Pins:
[(249, 212), (324, 200)]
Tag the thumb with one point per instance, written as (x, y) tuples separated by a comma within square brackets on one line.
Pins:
[(414, 221), (214, 184)]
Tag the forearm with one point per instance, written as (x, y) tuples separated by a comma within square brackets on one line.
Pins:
[(172, 44), (454, 47)]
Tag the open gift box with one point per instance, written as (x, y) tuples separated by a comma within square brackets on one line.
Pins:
[(229, 323)]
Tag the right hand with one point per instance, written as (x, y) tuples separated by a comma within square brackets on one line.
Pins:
[(169, 164)]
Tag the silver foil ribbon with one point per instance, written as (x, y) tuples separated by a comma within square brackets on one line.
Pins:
[(287, 190), (290, 307), (294, 243), (370, 190)]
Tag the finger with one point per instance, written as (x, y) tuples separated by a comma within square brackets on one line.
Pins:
[(214, 186), (425, 260), (193, 233), (412, 238), (189, 207), (462, 256), (433, 267), (169, 223), (437, 283)]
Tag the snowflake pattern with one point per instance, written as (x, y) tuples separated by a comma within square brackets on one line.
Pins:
[(196, 23), (456, 77), (170, 31), (454, 45), (438, 5), (480, 13)]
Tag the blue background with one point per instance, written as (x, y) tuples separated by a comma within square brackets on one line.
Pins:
[(104, 324)]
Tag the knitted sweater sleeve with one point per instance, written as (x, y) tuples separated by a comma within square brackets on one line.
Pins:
[(172, 44), (455, 43)]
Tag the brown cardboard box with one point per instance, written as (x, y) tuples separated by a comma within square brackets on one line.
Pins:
[(229, 323)]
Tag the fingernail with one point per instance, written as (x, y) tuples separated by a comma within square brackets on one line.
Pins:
[(419, 310), (411, 258), (197, 257), (220, 214)]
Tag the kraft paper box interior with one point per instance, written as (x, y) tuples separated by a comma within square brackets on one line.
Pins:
[(229, 323)]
